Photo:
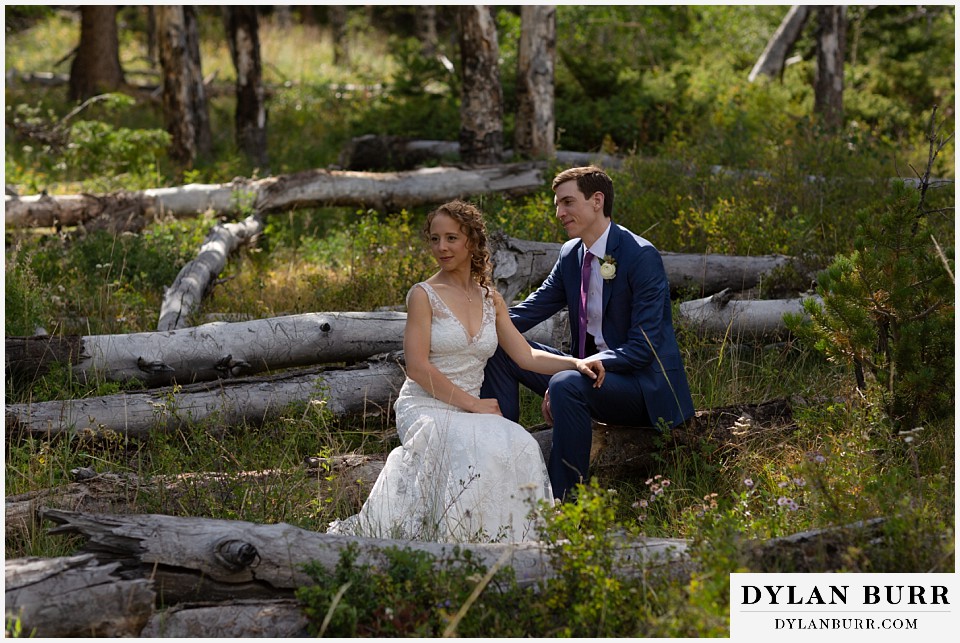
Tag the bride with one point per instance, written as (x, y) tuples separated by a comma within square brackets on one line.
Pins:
[(463, 473)]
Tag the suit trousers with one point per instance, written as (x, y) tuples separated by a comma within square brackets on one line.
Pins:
[(574, 404)]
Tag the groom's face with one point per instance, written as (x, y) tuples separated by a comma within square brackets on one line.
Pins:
[(581, 216)]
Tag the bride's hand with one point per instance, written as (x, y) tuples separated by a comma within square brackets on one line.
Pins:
[(592, 369), (486, 405)]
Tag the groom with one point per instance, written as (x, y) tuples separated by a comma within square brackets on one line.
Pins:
[(616, 292)]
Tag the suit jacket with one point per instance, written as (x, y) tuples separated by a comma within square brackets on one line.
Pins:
[(637, 319)]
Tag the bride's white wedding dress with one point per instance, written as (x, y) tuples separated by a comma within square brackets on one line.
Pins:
[(458, 476)]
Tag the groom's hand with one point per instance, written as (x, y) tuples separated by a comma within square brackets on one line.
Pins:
[(545, 409)]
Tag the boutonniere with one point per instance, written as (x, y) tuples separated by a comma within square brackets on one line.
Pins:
[(608, 267)]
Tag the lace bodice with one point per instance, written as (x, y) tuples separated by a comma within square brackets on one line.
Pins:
[(455, 354)]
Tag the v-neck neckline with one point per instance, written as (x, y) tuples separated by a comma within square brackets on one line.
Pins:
[(470, 338)]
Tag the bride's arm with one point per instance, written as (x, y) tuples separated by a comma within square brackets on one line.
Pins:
[(538, 361), (416, 350)]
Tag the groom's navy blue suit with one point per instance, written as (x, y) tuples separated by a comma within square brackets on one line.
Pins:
[(645, 381)]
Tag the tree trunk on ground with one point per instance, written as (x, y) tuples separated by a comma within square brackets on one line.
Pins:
[(184, 96), (739, 319), (535, 122), (96, 67), (251, 112), (274, 619), (346, 479), (617, 453), (75, 596), (481, 98), (311, 188), (195, 558), (774, 56), (338, 28), (372, 152), (195, 279), (364, 390), (223, 350), (180, 558), (211, 351), (520, 265), (831, 46)]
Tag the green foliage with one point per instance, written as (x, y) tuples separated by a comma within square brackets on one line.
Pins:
[(23, 298), (888, 307), (95, 152)]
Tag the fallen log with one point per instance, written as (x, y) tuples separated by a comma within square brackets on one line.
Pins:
[(311, 188), (376, 153), (192, 555), (519, 266), (75, 597), (274, 619), (346, 477), (196, 278), (192, 559), (737, 319), (220, 350), (617, 453), (365, 389)]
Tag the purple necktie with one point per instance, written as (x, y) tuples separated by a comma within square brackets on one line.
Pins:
[(584, 288)]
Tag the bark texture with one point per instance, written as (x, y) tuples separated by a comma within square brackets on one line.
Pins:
[(250, 121), (481, 99), (184, 96), (365, 390), (204, 559), (223, 350), (774, 56), (196, 278), (75, 596), (535, 122), (831, 47), (311, 188), (739, 319), (96, 67)]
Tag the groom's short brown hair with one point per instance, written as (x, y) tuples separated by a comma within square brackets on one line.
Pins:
[(589, 179)]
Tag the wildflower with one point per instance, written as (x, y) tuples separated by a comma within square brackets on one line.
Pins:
[(800, 482), (639, 504), (782, 500), (748, 483), (815, 456), (782, 484), (665, 483)]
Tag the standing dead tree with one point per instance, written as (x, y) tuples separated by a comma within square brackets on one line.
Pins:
[(481, 99)]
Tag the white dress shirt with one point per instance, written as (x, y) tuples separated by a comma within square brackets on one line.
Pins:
[(595, 293)]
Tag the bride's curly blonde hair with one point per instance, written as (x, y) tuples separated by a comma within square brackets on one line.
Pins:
[(472, 224)]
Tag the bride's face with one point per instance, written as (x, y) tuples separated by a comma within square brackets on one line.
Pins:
[(449, 244)]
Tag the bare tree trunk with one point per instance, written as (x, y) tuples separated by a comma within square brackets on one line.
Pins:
[(481, 99), (151, 36), (535, 123), (831, 46), (425, 24), (96, 67), (184, 96), (774, 56), (251, 113), (183, 298), (338, 28)]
